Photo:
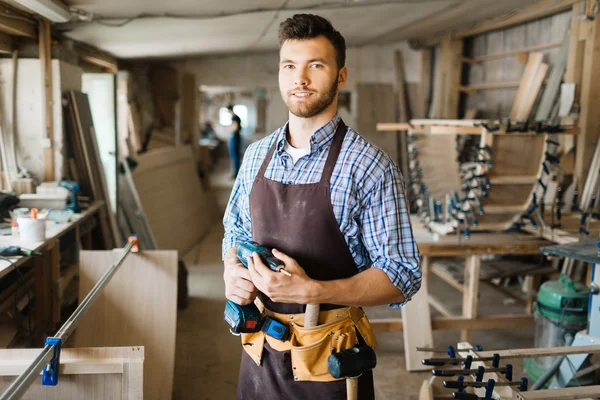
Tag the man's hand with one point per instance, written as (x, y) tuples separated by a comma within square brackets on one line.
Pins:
[(238, 283), (279, 287)]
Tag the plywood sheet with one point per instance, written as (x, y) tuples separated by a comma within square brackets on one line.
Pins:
[(179, 211), (90, 373), (138, 307)]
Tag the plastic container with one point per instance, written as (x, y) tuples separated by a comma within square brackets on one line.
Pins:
[(31, 230), (44, 200)]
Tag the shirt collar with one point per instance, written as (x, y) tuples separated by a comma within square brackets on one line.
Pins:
[(321, 137)]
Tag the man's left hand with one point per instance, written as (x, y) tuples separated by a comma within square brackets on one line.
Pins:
[(278, 286)]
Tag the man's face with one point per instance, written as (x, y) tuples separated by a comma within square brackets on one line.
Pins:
[(309, 78)]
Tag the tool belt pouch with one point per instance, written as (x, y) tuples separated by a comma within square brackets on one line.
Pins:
[(311, 347)]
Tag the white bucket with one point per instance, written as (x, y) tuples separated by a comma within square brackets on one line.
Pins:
[(31, 230)]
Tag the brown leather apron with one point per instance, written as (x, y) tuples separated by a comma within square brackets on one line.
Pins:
[(299, 221)]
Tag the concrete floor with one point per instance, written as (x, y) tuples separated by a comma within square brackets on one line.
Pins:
[(207, 356)]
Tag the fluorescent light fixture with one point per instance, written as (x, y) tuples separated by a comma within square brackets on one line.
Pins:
[(55, 11)]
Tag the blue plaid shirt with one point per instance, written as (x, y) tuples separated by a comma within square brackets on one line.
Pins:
[(367, 193)]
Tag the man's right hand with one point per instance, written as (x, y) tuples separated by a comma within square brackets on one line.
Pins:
[(238, 284)]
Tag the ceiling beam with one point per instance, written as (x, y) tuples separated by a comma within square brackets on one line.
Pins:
[(97, 58), (19, 25), (541, 9), (6, 43)]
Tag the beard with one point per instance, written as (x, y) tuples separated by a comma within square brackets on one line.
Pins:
[(319, 103)]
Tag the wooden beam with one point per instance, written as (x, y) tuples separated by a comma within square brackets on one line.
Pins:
[(451, 65), (17, 26), (392, 126), (589, 8), (470, 292), (543, 351), (459, 323), (583, 392), (46, 64), (589, 121), (541, 9), (425, 83), (488, 85), (499, 56), (440, 306), (98, 58)]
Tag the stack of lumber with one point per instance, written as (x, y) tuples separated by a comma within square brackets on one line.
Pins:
[(88, 169)]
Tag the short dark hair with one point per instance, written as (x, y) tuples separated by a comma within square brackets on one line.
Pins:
[(230, 107), (310, 26)]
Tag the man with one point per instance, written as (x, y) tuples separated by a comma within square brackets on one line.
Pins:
[(332, 206), (235, 141)]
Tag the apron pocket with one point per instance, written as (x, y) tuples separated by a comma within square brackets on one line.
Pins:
[(253, 344), (364, 328), (309, 363)]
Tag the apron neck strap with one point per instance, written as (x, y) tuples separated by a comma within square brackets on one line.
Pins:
[(334, 151)]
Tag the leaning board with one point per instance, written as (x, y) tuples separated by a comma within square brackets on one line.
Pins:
[(138, 307), (179, 211), (94, 373)]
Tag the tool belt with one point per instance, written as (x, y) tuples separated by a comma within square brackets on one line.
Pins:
[(310, 347)]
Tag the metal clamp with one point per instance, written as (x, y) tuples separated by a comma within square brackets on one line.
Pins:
[(50, 373)]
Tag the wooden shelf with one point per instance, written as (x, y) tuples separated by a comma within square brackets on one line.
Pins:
[(513, 180)]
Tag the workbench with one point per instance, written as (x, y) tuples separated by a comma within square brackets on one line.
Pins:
[(416, 314), (49, 284)]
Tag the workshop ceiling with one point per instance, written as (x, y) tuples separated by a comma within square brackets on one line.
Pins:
[(201, 27)]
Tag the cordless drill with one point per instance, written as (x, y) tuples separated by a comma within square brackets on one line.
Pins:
[(248, 318)]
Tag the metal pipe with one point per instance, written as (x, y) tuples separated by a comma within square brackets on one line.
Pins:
[(20, 385)]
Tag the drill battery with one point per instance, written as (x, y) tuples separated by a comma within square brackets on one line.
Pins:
[(248, 319)]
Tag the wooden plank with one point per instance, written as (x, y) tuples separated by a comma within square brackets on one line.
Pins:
[(46, 62), (530, 49), (513, 179), (18, 27), (478, 243), (447, 277), (529, 13), (589, 122), (425, 82), (552, 87), (584, 392), (97, 57), (513, 321), (529, 87), (82, 126), (488, 85), (416, 315), (439, 306), (392, 126), (470, 292), (133, 311), (542, 351), (94, 373)]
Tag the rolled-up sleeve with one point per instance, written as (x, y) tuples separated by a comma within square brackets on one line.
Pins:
[(388, 236), (237, 223)]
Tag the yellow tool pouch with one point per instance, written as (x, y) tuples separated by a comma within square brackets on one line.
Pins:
[(310, 347)]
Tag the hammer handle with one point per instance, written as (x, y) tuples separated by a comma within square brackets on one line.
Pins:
[(352, 388), (311, 316)]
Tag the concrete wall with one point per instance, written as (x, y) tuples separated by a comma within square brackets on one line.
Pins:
[(30, 113), (369, 64)]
